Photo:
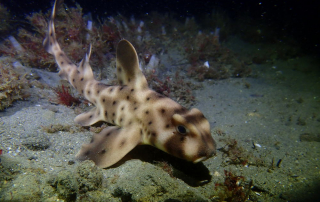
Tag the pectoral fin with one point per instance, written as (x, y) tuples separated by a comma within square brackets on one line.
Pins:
[(109, 146), (88, 118)]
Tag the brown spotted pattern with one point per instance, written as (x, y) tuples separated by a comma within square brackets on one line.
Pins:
[(139, 115)]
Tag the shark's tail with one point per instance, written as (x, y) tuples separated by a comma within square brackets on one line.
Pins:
[(66, 66), (50, 42)]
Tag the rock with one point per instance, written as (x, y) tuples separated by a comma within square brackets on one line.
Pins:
[(66, 185), (89, 176), (36, 142), (24, 188), (147, 182)]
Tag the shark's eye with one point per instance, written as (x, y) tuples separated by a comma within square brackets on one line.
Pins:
[(181, 129)]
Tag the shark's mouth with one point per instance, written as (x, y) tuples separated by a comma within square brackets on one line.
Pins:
[(200, 159)]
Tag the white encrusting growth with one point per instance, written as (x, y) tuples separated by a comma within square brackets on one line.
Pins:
[(15, 44)]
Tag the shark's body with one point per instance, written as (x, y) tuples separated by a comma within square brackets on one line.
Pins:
[(140, 115)]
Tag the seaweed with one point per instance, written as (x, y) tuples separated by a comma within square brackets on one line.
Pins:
[(236, 155), (72, 34), (176, 87), (65, 97), (233, 188), (13, 85)]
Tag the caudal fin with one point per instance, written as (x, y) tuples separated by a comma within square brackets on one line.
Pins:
[(50, 42)]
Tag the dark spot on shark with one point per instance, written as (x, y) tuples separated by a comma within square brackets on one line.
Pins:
[(61, 63), (103, 84), (129, 79), (174, 148), (105, 113), (89, 92), (90, 116), (150, 122), (87, 153), (195, 118), (122, 108), (78, 72), (103, 151), (202, 152), (128, 97), (91, 140), (168, 125), (81, 79), (111, 89), (114, 103), (122, 143), (103, 100), (180, 110), (73, 80), (113, 114), (147, 112), (108, 134), (148, 98), (119, 69), (132, 89), (98, 91), (163, 111)]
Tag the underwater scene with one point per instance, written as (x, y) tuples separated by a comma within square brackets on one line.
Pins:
[(147, 101)]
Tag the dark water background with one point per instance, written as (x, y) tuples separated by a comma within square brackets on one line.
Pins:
[(297, 19)]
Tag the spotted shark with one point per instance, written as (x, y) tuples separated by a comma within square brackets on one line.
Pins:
[(138, 114)]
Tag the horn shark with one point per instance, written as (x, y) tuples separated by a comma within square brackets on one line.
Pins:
[(138, 114)]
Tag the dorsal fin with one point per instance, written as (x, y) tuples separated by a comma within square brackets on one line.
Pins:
[(128, 70), (84, 66)]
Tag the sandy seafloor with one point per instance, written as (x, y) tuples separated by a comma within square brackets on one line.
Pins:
[(282, 103)]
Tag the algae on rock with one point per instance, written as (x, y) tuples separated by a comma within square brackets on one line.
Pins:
[(12, 85)]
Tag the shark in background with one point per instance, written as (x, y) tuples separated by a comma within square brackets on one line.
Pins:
[(138, 114)]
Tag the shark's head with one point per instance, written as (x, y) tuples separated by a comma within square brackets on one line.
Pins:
[(191, 138)]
